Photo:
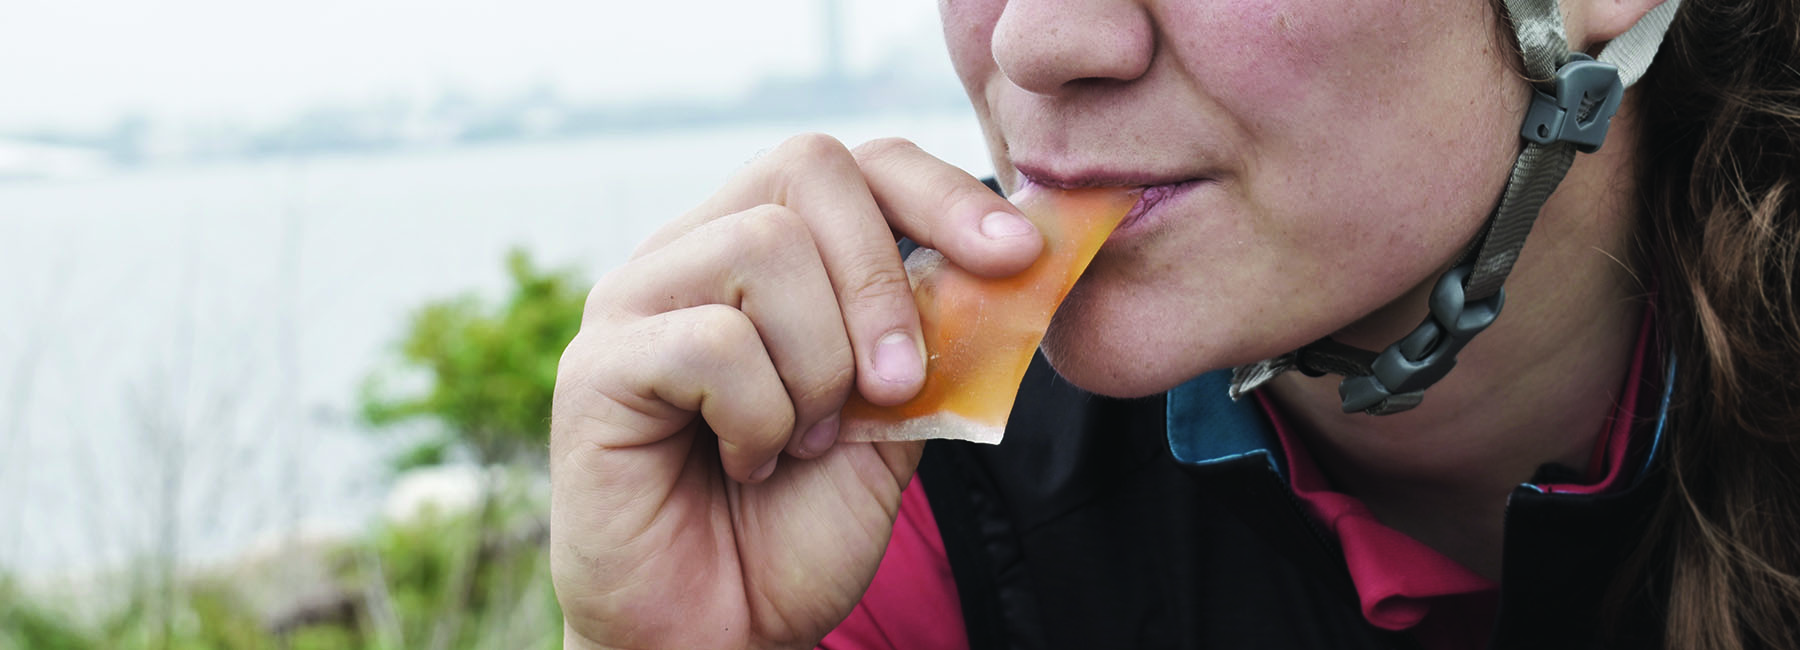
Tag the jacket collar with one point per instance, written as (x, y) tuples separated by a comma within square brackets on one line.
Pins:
[(1206, 427)]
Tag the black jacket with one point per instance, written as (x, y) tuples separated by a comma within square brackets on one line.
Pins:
[(1092, 526)]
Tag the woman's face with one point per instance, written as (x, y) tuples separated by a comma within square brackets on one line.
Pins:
[(1311, 163)]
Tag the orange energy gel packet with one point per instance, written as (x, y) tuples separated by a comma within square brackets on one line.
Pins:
[(980, 333)]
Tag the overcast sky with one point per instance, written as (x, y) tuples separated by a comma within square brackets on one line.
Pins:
[(80, 63)]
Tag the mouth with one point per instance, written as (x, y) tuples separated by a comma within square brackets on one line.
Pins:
[(1156, 188)]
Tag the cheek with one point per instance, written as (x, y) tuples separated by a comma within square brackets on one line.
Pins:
[(968, 33), (1375, 129), (1277, 53)]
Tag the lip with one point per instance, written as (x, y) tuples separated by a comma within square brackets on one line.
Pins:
[(1040, 175), (1157, 189)]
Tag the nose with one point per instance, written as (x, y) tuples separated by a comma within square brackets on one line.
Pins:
[(1048, 46)]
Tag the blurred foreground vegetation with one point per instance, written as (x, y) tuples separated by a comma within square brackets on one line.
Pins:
[(474, 576), (393, 589)]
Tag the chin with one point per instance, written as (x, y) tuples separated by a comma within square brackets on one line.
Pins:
[(1090, 354), (1108, 379), (1127, 347)]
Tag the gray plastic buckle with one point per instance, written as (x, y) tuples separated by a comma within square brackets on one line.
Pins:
[(1401, 373), (1587, 96)]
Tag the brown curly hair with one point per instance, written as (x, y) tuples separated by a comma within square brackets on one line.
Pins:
[(1719, 230)]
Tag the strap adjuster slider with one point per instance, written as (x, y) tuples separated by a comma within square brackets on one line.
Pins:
[(1587, 96)]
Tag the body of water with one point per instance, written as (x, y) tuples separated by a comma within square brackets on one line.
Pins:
[(180, 348)]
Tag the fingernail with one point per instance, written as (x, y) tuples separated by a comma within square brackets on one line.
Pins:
[(1001, 225), (819, 437), (897, 359), (764, 471)]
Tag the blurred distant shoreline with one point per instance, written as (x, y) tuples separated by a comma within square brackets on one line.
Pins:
[(456, 119)]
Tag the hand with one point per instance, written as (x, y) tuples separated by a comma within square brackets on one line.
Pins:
[(733, 334)]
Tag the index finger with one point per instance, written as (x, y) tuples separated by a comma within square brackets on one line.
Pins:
[(943, 207)]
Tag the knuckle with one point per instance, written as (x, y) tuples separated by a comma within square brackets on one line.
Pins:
[(885, 148), (769, 226), (774, 434), (773, 239), (600, 300), (875, 284), (765, 433), (664, 234), (571, 368), (575, 357), (715, 334), (812, 147), (829, 389), (975, 192), (594, 367)]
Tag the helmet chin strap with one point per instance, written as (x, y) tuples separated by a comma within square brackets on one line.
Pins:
[(1569, 112)]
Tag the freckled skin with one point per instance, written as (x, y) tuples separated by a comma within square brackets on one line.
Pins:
[(1355, 148)]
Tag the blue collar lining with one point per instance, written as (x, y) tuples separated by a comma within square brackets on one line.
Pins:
[(1662, 417), (1206, 427)]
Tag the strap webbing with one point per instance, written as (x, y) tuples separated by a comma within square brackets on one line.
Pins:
[(1537, 172), (1633, 51), (1541, 167), (1543, 42)]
